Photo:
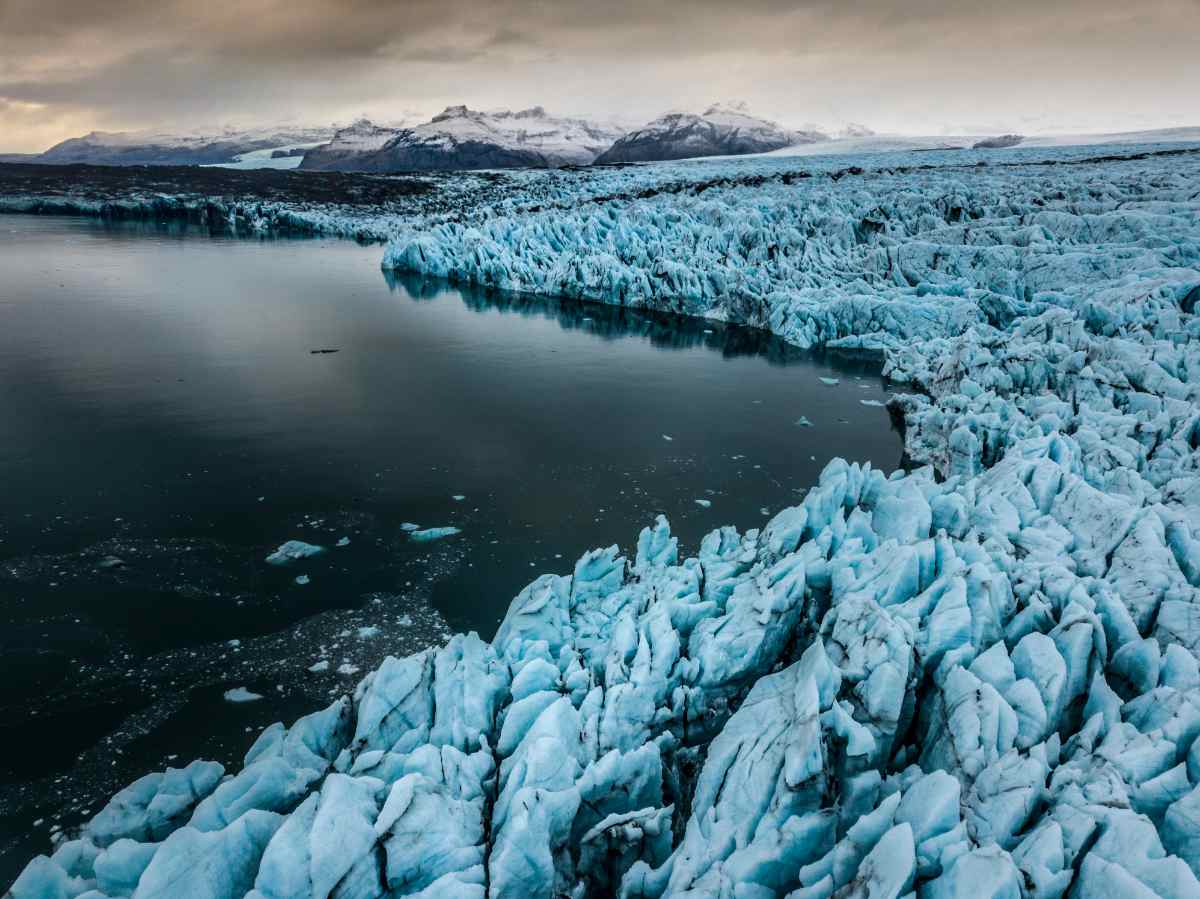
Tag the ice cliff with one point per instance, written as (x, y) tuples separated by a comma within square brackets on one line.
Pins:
[(977, 678)]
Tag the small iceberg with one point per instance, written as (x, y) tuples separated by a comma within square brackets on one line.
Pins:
[(831, 382), (803, 422), (241, 694), (703, 503), (318, 667), (433, 534), (303, 579), (873, 402), (293, 550), (345, 541), (409, 526)]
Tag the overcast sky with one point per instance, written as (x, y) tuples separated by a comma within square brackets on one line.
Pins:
[(916, 66)]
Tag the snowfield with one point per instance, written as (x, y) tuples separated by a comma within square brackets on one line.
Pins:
[(979, 677)]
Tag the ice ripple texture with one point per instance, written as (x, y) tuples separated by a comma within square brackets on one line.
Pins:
[(976, 679)]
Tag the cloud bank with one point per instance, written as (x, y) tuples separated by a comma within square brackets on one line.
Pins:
[(68, 66)]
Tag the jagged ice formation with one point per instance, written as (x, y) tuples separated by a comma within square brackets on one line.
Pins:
[(977, 678)]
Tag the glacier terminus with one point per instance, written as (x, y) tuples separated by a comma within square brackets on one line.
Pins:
[(975, 677)]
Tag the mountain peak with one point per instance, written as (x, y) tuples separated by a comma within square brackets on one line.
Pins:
[(738, 107)]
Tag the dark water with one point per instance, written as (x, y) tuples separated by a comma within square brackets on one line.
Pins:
[(160, 404)]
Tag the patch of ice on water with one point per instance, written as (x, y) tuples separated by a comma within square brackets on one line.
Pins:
[(241, 694), (293, 550), (433, 534)]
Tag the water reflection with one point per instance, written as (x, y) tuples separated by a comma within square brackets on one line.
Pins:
[(610, 322)]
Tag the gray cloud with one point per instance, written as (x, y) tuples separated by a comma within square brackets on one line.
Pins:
[(896, 64)]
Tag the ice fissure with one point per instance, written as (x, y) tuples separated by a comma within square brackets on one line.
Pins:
[(979, 677)]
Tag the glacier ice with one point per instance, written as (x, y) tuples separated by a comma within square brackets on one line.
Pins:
[(977, 677)]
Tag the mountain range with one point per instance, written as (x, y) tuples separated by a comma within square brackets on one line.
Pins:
[(164, 148), (462, 138)]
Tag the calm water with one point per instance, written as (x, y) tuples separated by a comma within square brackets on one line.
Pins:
[(160, 404)]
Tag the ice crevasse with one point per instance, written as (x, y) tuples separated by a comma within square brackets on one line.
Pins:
[(975, 678)]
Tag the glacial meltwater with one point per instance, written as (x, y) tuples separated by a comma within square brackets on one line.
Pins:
[(175, 406)]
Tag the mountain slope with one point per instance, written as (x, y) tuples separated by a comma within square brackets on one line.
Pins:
[(160, 148), (722, 130), (462, 138)]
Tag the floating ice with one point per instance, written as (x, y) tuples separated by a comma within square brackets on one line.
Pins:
[(302, 579), (293, 550), (241, 694), (433, 534)]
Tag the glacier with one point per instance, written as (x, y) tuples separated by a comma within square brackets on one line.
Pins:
[(977, 676)]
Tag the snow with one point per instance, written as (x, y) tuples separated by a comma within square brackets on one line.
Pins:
[(230, 147), (265, 158), (723, 128), (459, 137), (975, 677), (562, 139)]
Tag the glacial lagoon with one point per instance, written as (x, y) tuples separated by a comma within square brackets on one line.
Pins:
[(174, 405)]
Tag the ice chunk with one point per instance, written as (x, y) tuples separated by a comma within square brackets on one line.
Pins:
[(241, 694), (429, 534), (292, 551)]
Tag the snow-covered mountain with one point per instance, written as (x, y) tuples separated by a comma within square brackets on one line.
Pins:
[(462, 138), (854, 129), (166, 148), (724, 129), (362, 136)]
